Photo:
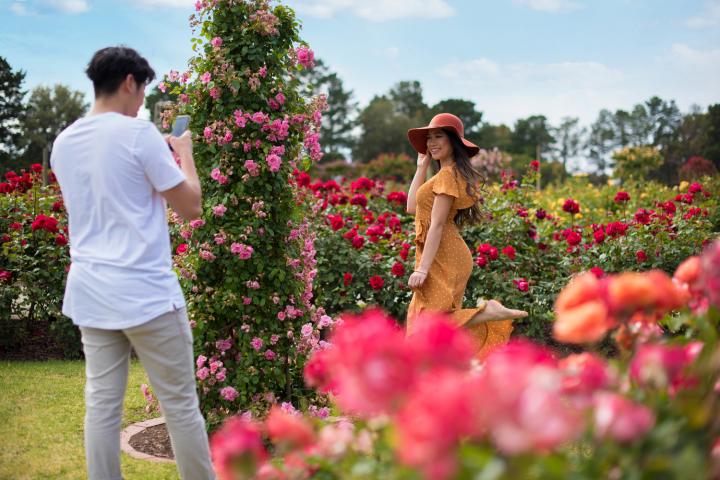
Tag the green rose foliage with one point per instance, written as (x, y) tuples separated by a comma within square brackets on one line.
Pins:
[(34, 258), (247, 266), (523, 249)]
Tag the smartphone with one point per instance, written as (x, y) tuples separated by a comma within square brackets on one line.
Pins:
[(181, 123)]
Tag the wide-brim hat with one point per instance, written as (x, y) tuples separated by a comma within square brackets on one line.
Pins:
[(446, 121)]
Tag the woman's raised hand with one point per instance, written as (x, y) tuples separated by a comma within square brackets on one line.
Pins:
[(423, 161)]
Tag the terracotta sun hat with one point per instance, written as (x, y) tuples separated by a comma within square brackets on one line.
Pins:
[(446, 121)]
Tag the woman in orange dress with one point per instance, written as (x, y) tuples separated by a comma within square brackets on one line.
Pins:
[(443, 262)]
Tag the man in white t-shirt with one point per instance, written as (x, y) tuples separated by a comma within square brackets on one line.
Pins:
[(116, 174)]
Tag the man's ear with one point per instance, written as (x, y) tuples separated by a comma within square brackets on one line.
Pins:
[(129, 85)]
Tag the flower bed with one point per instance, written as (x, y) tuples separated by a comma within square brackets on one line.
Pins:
[(34, 258), (529, 245), (421, 404)]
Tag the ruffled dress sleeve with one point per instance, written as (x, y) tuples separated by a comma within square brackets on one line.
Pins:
[(449, 182)]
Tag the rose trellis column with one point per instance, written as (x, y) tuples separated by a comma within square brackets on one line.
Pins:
[(248, 264)]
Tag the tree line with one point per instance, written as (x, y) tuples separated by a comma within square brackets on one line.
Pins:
[(361, 134)]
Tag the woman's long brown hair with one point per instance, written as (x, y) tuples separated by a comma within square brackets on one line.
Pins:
[(475, 181)]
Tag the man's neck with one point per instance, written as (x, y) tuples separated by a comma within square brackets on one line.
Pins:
[(107, 105)]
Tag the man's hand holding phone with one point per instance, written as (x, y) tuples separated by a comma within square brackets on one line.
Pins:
[(181, 145), (180, 130)]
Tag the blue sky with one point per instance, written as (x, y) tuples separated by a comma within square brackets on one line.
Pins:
[(514, 58)]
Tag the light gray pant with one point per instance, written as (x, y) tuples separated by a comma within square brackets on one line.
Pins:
[(164, 347)]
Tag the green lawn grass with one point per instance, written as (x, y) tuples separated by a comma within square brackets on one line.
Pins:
[(41, 422)]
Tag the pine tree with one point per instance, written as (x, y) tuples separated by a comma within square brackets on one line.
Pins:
[(12, 112)]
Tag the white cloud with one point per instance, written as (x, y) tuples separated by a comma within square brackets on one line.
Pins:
[(710, 17), (688, 56), (375, 10), (548, 5), (392, 52), (506, 92), (50, 6), (561, 75), (69, 6), (19, 8), (166, 3)]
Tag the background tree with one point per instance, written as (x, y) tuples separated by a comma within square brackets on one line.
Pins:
[(384, 130), (407, 97), (49, 111), (336, 133), (711, 150), (601, 143), (532, 136), (12, 112), (463, 109), (491, 136), (568, 140)]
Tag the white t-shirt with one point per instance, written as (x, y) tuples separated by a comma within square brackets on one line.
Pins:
[(111, 168)]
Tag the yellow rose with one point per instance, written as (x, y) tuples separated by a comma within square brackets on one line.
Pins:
[(683, 186)]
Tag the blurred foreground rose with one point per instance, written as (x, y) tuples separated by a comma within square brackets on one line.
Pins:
[(588, 307)]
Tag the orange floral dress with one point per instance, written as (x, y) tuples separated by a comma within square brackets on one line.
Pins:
[(444, 286)]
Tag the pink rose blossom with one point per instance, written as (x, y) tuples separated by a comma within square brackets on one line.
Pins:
[(239, 438), (663, 366), (240, 119), (273, 162), (201, 359), (219, 210), (306, 57), (216, 42), (162, 87), (325, 321), (207, 255), (214, 366), (241, 250), (229, 393), (223, 345), (208, 133), (252, 168), (206, 77), (306, 330), (270, 355), (621, 419), (203, 373), (258, 117), (197, 223), (256, 343)]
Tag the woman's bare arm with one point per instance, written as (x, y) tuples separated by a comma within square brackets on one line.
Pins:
[(423, 162), (440, 211)]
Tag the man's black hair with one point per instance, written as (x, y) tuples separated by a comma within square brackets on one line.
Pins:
[(109, 67)]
